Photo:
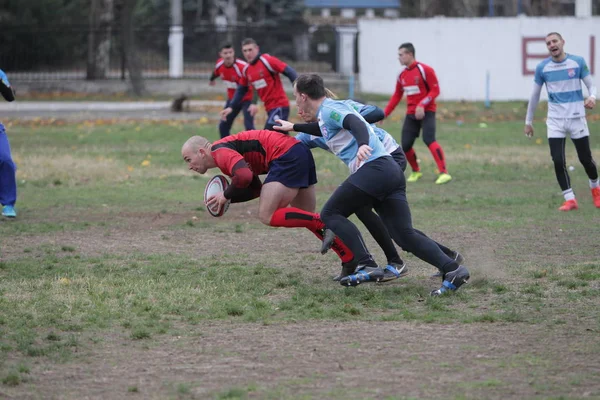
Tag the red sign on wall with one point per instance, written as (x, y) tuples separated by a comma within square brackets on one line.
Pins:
[(527, 55)]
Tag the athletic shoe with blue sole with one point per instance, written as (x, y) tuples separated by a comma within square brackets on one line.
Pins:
[(459, 260), (363, 275), (394, 271), (453, 280)]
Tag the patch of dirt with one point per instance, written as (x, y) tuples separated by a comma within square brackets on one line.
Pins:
[(350, 360), (319, 359)]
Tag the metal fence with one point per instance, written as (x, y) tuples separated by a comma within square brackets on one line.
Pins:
[(71, 52)]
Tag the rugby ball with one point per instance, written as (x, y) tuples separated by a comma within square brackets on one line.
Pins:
[(216, 185)]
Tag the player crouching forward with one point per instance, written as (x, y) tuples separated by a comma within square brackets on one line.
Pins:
[(287, 196)]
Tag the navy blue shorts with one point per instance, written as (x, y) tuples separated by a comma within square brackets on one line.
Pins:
[(295, 169), (277, 113)]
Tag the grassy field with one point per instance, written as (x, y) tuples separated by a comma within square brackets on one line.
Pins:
[(116, 283)]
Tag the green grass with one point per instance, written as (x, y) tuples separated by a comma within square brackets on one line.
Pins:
[(58, 298)]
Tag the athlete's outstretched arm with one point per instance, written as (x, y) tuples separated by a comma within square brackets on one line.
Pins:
[(372, 114), (312, 128)]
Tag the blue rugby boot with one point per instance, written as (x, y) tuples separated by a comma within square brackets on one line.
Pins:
[(453, 280), (394, 271), (457, 257), (347, 269), (363, 274)]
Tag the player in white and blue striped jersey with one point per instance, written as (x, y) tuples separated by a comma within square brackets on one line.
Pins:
[(375, 181), (562, 74)]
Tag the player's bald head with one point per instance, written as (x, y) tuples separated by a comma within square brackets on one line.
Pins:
[(194, 143)]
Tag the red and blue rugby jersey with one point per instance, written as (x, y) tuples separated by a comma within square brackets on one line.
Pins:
[(258, 148), (263, 74), (231, 76)]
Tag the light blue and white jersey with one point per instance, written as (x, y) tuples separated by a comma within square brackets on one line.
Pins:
[(563, 83), (389, 143), (340, 141)]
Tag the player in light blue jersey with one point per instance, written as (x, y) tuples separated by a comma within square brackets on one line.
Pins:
[(562, 74), (396, 266), (376, 181), (8, 179)]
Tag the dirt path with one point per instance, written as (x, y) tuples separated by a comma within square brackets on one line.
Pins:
[(330, 360)]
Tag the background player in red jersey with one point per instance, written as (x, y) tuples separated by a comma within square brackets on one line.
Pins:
[(262, 72), (421, 86), (229, 69), (287, 197)]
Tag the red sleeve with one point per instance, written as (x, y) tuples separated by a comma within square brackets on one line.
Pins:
[(396, 97), (226, 159), (241, 178), (275, 63), (434, 87), (241, 175)]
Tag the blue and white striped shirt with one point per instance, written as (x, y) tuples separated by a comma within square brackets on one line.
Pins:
[(563, 83)]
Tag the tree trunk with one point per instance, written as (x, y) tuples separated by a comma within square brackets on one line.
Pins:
[(99, 39), (199, 10), (129, 50)]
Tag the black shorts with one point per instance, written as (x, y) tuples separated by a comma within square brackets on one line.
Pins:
[(412, 127), (379, 178)]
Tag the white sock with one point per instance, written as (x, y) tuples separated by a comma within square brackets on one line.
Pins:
[(594, 184), (569, 194)]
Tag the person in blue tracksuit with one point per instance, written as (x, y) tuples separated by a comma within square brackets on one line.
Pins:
[(8, 178)]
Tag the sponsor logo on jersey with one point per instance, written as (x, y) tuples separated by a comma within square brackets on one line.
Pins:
[(571, 72), (259, 84), (410, 90), (335, 116)]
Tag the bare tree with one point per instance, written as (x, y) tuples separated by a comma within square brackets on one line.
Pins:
[(199, 10), (99, 38), (129, 49)]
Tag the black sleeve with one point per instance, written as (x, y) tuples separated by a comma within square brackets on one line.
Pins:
[(357, 128), (375, 115), (213, 76), (312, 128), (290, 73), (6, 92), (251, 192)]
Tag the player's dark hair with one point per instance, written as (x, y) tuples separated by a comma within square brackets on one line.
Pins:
[(555, 33), (408, 47), (226, 46), (249, 41), (311, 85)]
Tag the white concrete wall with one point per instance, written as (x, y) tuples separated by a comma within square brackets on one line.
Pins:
[(461, 50)]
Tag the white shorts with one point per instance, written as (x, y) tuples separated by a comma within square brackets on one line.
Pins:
[(559, 128)]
